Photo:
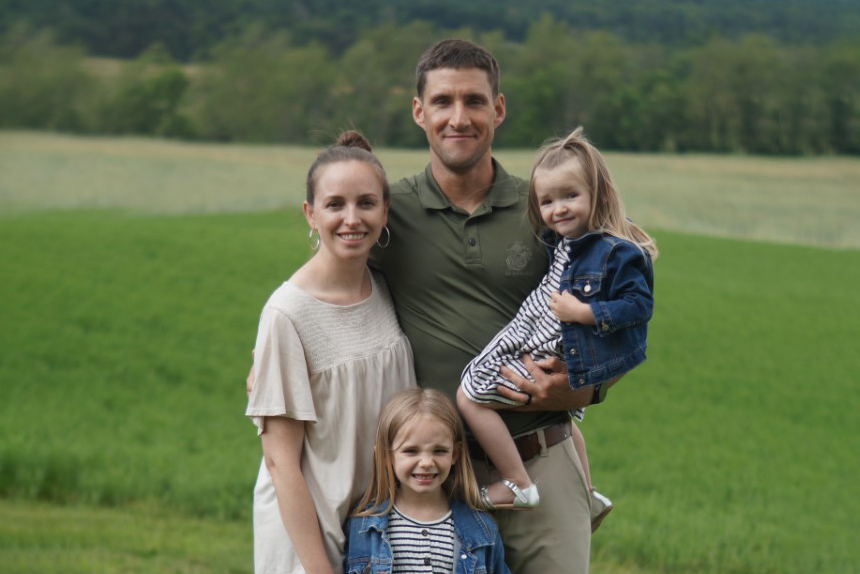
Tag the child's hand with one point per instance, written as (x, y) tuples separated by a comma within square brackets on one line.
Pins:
[(568, 308)]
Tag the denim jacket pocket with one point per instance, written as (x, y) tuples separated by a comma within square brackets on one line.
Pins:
[(586, 286)]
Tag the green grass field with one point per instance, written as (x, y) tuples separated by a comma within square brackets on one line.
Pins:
[(39, 537), (125, 340)]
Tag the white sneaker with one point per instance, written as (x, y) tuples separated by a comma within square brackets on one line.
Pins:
[(600, 507)]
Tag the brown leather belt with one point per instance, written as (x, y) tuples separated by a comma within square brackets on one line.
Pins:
[(528, 445)]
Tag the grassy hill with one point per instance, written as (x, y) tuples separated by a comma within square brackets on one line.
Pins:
[(814, 201)]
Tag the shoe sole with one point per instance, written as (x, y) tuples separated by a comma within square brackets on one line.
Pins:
[(511, 507), (597, 520)]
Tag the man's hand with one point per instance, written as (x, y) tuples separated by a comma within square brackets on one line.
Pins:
[(249, 382), (550, 389)]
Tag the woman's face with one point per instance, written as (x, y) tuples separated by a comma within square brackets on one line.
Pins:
[(348, 211)]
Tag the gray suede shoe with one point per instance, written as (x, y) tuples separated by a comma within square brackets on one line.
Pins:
[(600, 507)]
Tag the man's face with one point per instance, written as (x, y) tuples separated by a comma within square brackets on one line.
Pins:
[(459, 115)]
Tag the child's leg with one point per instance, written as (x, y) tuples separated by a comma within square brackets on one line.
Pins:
[(579, 445), (492, 434)]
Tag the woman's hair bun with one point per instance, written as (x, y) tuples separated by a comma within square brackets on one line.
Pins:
[(352, 138), (350, 146)]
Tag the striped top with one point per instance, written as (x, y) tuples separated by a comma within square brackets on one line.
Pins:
[(421, 547), (534, 330)]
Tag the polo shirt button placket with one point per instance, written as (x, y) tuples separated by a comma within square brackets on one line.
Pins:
[(470, 241)]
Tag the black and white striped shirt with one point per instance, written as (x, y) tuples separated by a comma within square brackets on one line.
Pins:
[(421, 547), (534, 330)]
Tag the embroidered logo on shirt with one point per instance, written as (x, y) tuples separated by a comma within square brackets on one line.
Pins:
[(517, 257)]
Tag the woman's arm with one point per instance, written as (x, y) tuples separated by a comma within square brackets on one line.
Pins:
[(282, 450)]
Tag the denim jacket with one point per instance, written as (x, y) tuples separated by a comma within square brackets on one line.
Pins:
[(477, 547), (616, 279)]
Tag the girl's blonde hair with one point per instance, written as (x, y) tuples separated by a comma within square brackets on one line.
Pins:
[(404, 407), (607, 210)]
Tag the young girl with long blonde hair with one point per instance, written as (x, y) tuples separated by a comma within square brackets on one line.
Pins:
[(591, 309), (421, 508)]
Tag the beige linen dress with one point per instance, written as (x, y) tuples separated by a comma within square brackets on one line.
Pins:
[(334, 367)]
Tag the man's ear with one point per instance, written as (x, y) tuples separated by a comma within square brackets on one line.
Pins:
[(418, 111), (499, 105)]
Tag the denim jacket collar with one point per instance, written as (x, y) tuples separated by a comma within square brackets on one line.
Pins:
[(472, 532), (551, 239)]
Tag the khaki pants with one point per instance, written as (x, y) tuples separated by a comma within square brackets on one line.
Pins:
[(554, 538)]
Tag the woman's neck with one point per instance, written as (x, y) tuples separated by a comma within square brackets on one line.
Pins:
[(425, 507), (333, 280)]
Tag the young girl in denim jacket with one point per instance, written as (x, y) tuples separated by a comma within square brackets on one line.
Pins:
[(590, 309), (420, 511)]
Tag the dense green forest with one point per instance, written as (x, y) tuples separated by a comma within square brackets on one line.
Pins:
[(125, 28), (754, 76)]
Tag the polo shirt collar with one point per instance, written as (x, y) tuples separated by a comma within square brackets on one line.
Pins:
[(503, 192)]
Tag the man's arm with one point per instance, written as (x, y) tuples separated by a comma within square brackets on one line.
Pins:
[(549, 391)]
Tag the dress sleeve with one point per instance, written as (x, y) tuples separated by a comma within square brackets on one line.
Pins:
[(281, 382)]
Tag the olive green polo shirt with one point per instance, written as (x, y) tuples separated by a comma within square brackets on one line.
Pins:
[(458, 278)]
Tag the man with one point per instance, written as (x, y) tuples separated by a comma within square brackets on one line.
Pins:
[(460, 261)]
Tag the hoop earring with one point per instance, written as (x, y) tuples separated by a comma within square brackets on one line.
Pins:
[(387, 240), (314, 244)]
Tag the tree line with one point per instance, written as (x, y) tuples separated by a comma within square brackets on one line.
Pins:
[(189, 30), (749, 94)]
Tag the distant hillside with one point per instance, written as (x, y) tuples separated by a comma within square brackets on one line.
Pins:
[(126, 28), (741, 76)]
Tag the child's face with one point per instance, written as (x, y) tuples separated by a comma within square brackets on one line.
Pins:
[(423, 454), (564, 198)]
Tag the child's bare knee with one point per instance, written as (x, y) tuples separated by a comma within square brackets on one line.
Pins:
[(463, 401)]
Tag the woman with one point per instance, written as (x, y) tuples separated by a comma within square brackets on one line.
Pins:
[(329, 353)]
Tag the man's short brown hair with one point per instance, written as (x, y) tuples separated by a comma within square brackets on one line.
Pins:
[(457, 54)]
